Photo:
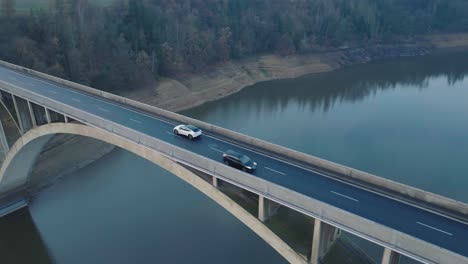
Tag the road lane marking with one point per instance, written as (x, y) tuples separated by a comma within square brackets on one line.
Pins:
[(170, 133), (74, 99), (102, 109), (215, 149), (52, 92), (31, 84), (437, 229), (136, 121), (345, 196), (153, 116), (282, 173)]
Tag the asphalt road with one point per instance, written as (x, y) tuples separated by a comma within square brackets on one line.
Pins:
[(428, 226)]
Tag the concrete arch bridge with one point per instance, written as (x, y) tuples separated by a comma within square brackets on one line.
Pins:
[(404, 220)]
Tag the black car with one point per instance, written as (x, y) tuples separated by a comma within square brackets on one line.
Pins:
[(239, 161)]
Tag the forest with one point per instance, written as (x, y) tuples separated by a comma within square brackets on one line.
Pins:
[(130, 43)]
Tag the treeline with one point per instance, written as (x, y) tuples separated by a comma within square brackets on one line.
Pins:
[(129, 43)]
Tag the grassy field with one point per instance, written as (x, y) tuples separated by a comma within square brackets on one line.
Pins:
[(24, 6)]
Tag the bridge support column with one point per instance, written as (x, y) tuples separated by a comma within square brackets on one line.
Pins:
[(390, 257), (266, 208), (323, 237), (66, 118), (22, 111), (47, 112), (215, 181), (3, 139), (31, 113)]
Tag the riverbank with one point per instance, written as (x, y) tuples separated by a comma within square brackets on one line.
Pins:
[(183, 91)]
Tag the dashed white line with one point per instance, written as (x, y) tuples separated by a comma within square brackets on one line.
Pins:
[(32, 84), (282, 173), (102, 109), (76, 100), (136, 121), (52, 92), (345, 196), (170, 133), (437, 229), (215, 149)]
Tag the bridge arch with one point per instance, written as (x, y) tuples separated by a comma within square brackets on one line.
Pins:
[(18, 163)]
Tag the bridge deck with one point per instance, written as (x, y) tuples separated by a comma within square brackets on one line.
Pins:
[(429, 226)]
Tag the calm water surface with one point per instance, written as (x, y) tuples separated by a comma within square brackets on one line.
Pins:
[(124, 209), (403, 119)]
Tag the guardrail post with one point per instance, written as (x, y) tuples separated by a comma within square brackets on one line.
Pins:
[(390, 257), (31, 113), (323, 238)]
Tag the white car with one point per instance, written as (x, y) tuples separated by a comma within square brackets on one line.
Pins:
[(187, 130)]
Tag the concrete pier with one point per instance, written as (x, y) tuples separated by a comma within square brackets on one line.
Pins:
[(215, 181), (39, 114), (390, 257), (3, 139), (266, 208), (23, 113), (323, 237), (47, 112), (31, 113)]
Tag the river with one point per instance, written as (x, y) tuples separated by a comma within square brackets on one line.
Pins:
[(403, 119)]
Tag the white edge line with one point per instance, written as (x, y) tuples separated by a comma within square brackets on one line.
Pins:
[(74, 99), (108, 101), (437, 229), (345, 196), (282, 173)]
